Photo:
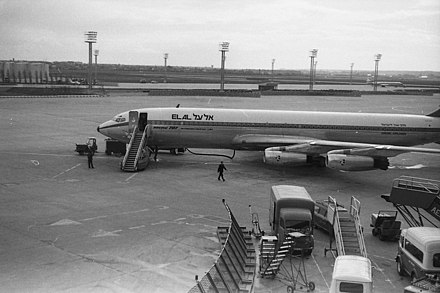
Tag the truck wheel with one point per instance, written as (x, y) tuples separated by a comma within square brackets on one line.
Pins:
[(400, 270)]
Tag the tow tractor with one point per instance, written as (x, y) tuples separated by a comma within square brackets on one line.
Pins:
[(385, 225), (84, 148)]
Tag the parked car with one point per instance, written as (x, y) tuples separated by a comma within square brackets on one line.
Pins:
[(321, 221)]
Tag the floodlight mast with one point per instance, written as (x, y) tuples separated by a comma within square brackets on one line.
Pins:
[(165, 57), (223, 47), (313, 55), (273, 62), (377, 58), (90, 37), (351, 73), (96, 53)]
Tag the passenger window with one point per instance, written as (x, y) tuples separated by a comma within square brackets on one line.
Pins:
[(351, 287), (436, 260)]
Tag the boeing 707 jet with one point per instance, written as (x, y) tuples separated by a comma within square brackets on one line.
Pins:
[(339, 140)]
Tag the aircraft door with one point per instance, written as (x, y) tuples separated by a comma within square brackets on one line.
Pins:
[(143, 121), (132, 120)]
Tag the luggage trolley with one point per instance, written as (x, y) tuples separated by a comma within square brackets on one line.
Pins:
[(293, 273)]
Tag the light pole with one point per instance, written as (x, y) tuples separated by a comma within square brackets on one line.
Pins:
[(351, 73), (91, 38), (165, 57), (313, 55), (314, 72), (273, 62), (377, 58), (96, 53), (223, 47)]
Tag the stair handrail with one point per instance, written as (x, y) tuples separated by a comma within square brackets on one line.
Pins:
[(141, 146), (408, 182), (336, 226), (355, 209), (287, 238), (133, 134)]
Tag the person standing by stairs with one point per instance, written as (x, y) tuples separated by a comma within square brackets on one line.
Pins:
[(90, 154)]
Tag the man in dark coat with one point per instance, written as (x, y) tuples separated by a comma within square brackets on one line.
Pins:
[(90, 154), (220, 170)]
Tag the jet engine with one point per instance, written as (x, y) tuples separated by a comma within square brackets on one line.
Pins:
[(284, 158), (355, 163)]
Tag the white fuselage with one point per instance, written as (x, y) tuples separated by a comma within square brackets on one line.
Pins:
[(223, 128)]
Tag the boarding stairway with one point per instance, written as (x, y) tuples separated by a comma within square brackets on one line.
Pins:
[(347, 229), (271, 256), (411, 196), (134, 150)]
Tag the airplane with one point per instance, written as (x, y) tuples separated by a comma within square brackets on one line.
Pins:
[(338, 140)]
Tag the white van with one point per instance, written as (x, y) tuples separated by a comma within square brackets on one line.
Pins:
[(353, 274), (419, 252)]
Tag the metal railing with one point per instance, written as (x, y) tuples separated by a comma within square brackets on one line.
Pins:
[(229, 274), (355, 209), (133, 134), (332, 206)]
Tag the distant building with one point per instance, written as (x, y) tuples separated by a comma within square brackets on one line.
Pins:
[(24, 72)]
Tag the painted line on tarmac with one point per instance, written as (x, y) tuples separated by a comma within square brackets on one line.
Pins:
[(70, 169), (128, 179), (110, 215), (379, 269), (319, 269)]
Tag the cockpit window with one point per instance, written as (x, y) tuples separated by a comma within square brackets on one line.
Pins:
[(119, 119)]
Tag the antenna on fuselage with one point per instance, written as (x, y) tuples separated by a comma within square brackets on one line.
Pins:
[(178, 105)]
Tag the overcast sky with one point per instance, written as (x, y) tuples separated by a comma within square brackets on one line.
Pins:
[(405, 32)]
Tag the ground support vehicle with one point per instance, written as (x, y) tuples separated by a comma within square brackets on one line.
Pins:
[(320, 217), (89, 145), (418, 253), (291, 210), (352, 273), (113, 146), (428, 284), (385, 226)]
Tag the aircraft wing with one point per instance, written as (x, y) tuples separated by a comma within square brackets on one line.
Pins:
[(311, 146)]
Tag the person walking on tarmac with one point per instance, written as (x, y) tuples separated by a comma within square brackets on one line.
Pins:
[(220, 170), (90, 154)]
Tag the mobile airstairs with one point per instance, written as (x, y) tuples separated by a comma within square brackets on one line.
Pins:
[(415, 199), (137, 155), (347, 229)]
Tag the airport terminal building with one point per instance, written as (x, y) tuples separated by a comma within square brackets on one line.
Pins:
[(24, 72)]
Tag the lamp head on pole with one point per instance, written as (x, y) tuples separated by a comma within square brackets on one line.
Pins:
[(90, 37), (314, 53), (96, 52), (377, 57), (224, 46), (165, 55)]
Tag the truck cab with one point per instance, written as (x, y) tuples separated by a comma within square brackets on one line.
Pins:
[(291, 210)]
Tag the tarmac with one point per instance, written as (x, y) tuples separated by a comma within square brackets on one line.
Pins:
[(67, 228)]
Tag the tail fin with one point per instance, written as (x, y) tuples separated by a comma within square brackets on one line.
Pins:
[(436, 113)]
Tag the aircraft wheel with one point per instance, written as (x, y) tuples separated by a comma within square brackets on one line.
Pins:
[(290, 289), (311, 286)]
